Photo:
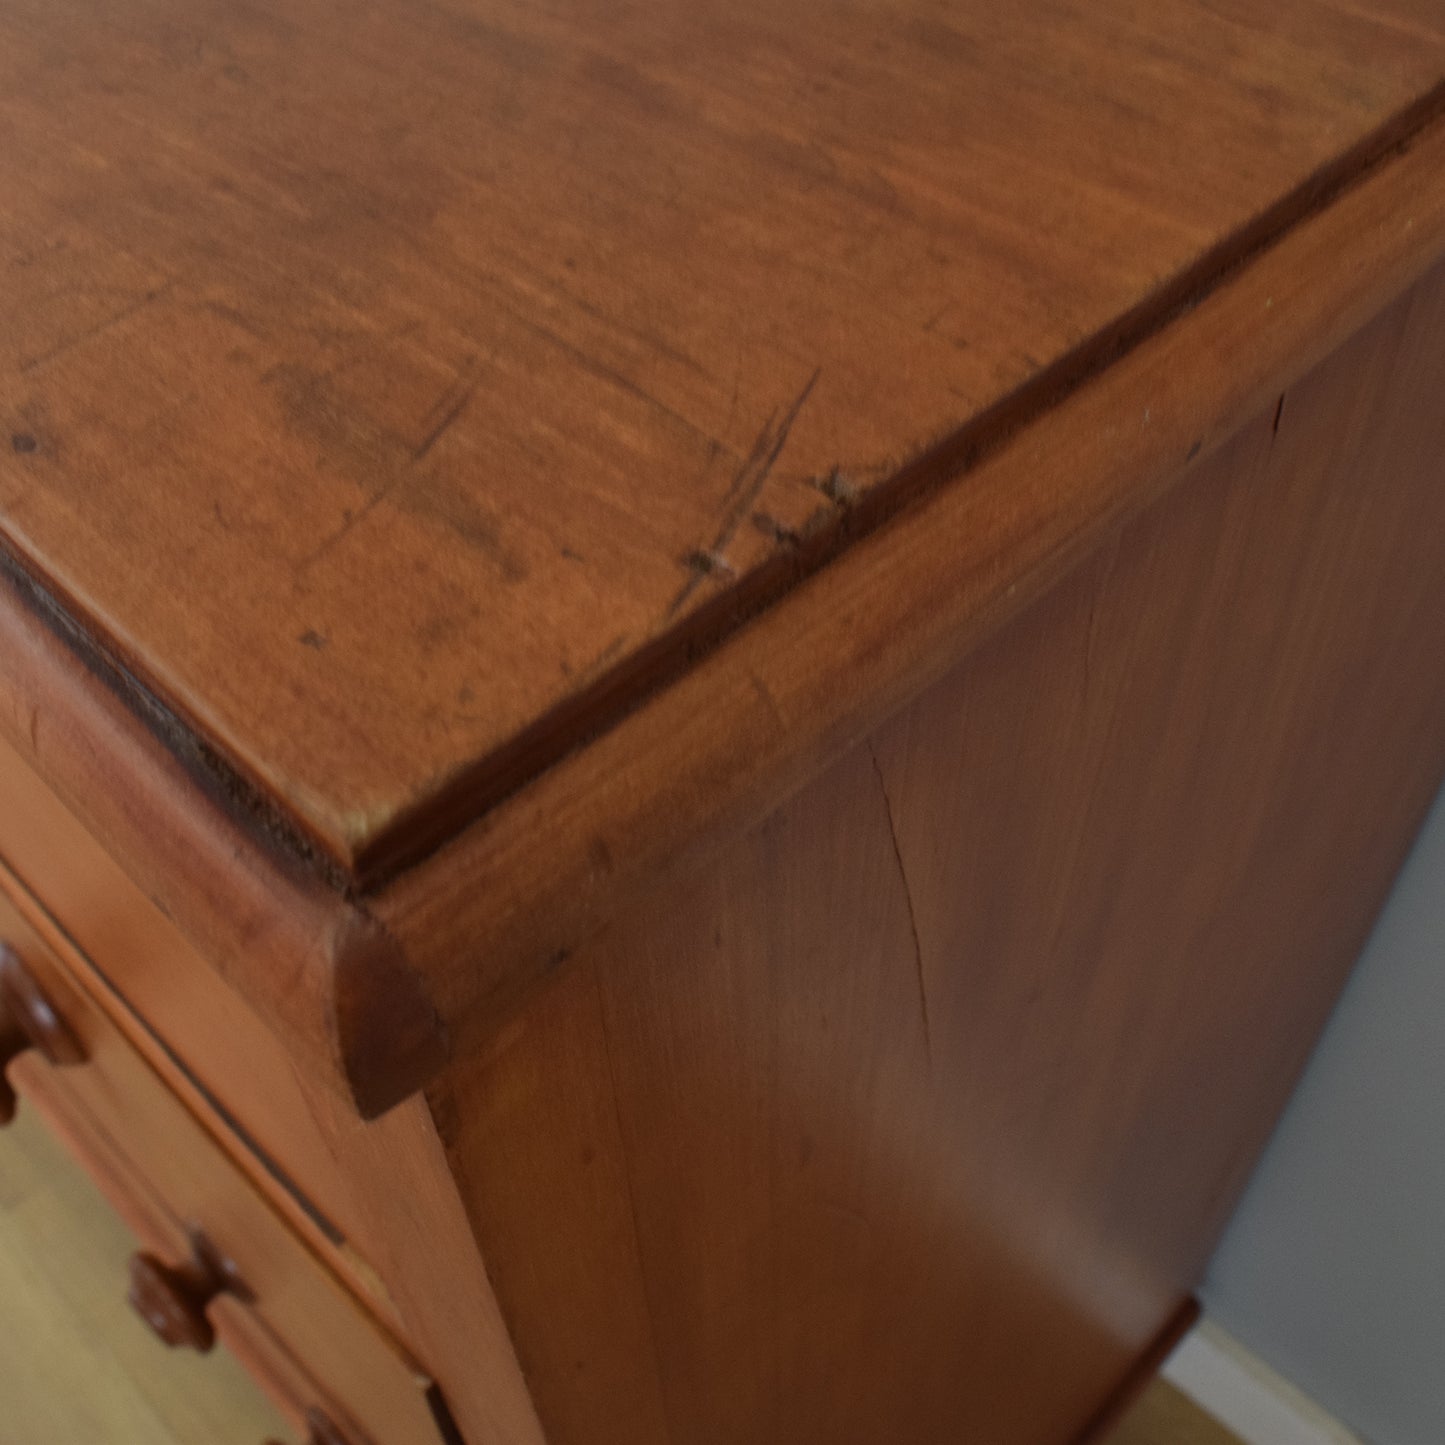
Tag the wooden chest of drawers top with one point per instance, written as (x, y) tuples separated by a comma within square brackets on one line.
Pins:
[(457, 456)]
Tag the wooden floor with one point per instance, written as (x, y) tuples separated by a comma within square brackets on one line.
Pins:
[(77, 1367), (1165, 1417)]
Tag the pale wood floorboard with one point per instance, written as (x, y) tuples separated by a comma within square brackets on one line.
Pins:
[(1163, 1416), (76, 1366)]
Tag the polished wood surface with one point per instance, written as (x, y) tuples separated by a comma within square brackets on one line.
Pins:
[(720, 749), (915, 1115), (785, 649), (420, 1243), (173, 1299), (408, 1253), (76, 1364), (29, 1020), (463, 364), (78, 1367), (371, 994), (174, 1006), (311, 963)]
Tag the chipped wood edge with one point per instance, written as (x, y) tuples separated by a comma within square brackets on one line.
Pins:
[(721, 747)]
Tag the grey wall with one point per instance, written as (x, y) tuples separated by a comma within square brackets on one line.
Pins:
[(1333, 1270)]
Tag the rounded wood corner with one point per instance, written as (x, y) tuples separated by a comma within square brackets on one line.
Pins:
[(389, 1036)]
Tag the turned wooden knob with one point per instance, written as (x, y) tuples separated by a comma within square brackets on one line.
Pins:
[(28, 1020), (173, 1298)]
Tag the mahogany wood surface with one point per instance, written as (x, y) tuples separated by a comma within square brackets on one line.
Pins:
[(372, 994), (721, 748), (420, 1242), (375, 1200), (823, 620), (394, 396), (172, 1004), (915, 1114)]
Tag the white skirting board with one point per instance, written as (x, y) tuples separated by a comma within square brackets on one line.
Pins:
[(1223, 1378)]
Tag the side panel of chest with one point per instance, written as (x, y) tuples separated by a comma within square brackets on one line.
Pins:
[(915, 1118)]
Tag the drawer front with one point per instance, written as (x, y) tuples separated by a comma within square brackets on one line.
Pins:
[(282, 1310), (51, 868)]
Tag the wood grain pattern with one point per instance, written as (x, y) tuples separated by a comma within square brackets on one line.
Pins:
[(721, 748), (372, 994), (416, 1234), (460, 363), (916, 1114)]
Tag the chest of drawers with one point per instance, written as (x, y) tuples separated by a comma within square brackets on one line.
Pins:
[(700, 704)]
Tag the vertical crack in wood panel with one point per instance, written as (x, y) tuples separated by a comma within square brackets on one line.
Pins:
[(908, 899), (632, 1205)]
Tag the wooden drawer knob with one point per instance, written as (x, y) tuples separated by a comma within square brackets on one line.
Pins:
[(173, 1298), (28, 1020)]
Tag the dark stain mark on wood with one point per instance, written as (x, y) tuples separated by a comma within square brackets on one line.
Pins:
[(465, 515), (1278, 412), (318, 411), (23, 443), (934, 321), (312, 638), (90, 333), (1194, 451)]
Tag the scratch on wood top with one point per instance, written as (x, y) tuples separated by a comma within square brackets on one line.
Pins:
[(749, 482)]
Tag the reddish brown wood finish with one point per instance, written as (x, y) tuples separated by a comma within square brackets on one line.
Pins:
[(825, 624), (408, 1252), (720, 749), (28, 1020), (173, 1298), (168, 1179), (915, 1115), (373, 993), (450, 358)]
